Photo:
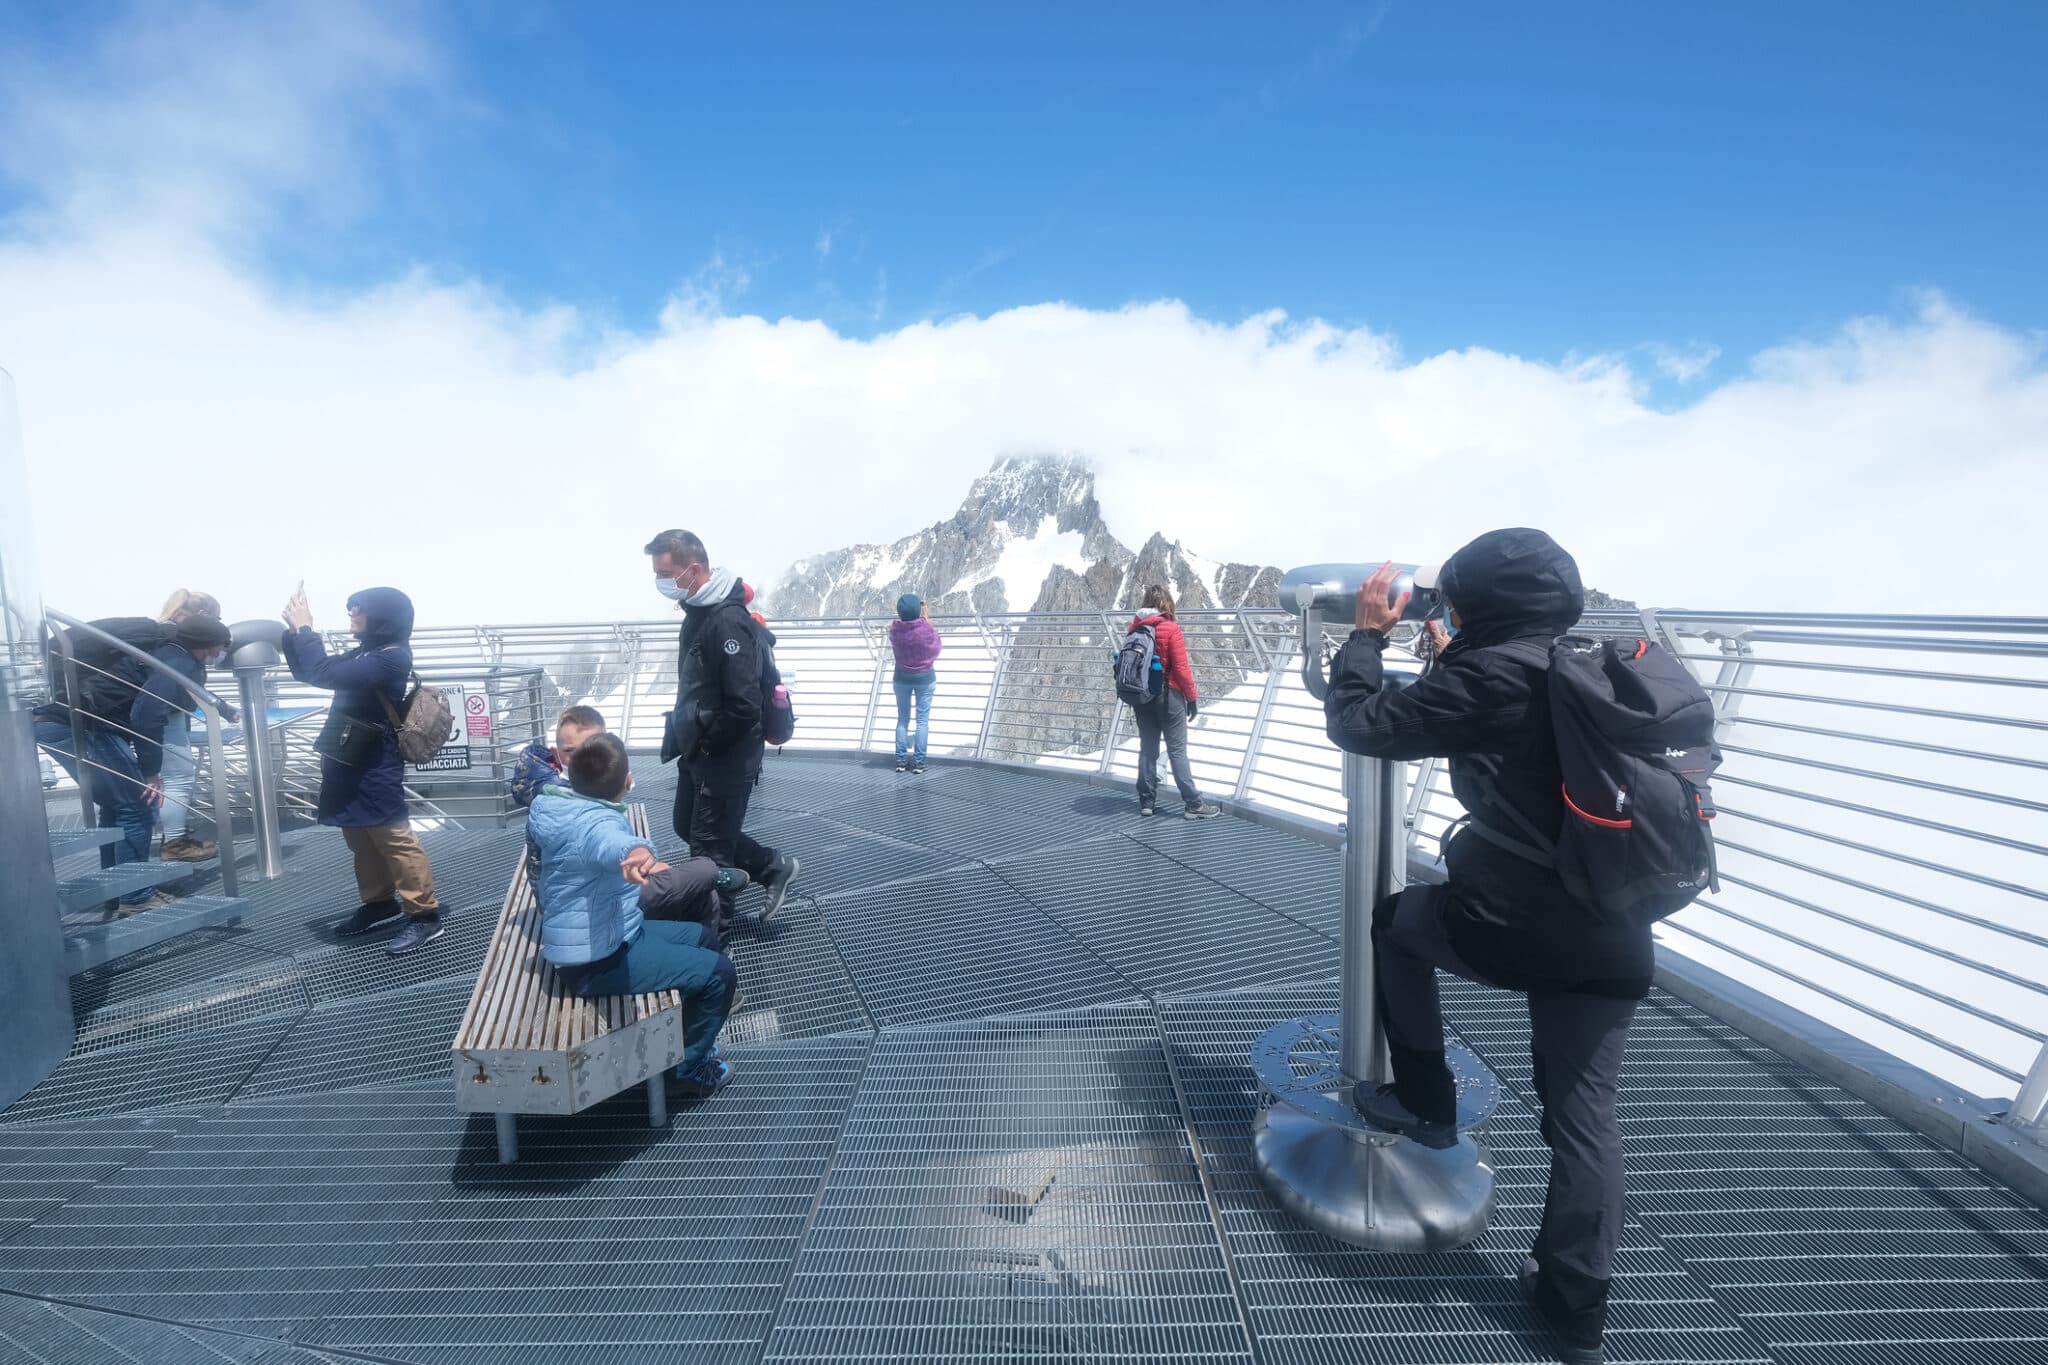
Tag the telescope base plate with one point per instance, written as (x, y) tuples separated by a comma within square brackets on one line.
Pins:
[(1395, 1195)]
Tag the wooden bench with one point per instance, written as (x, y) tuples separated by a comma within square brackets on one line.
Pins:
[(526, 1046)]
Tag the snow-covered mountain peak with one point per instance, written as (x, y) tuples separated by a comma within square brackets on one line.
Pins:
[(1029, 536)]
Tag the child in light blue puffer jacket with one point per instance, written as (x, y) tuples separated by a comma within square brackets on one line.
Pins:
[(617, 921)]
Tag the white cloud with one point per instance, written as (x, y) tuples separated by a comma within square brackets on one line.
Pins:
[(189, 421), (1684, 363), (214, 116)]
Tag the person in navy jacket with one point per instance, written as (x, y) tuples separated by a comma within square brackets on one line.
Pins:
[(362, 774)]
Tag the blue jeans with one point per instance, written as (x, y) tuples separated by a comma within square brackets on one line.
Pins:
[(669, 955), (921, 686), (179, 774), (116, 792)]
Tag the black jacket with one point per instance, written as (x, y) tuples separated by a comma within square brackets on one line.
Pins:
[(1486, 707), (160, 701), (718, 680), (108, 679)]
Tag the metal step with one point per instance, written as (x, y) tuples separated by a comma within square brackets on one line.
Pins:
[(92, 945), (65, 841), (88, 889)]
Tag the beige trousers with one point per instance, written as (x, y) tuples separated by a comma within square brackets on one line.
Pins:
[(390, 862)]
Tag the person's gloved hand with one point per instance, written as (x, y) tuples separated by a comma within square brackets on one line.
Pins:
[(1194, 709)]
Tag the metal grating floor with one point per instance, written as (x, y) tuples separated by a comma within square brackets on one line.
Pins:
[(1022, 1190), (991, 1102)]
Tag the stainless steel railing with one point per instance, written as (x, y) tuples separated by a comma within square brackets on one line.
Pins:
[(1884, 846), (1883, 830), (90, 772)]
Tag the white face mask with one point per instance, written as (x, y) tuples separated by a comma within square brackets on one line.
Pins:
[(670, 589)]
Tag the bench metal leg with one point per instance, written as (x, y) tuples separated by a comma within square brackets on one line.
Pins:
[(508, 1139), (657, 1101)]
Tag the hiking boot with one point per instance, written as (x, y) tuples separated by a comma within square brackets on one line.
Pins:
[(368, 917), (155, 900), (902, 765), (1383, 1109), (419, 931), (781, 875), (732, 880), (1145, 810), (1201, 810), (707, 1080), (1576, 1343), (184, 850)]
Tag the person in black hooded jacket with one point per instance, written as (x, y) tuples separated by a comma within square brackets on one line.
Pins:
[(1500, 918), (362, 773)]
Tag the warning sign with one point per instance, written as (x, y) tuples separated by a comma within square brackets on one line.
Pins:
[(454, 754), (476, 711)]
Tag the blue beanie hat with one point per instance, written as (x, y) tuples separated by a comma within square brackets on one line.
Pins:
[(908, 606)]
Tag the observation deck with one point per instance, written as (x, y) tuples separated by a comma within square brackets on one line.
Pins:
[(993, 1096), (1002, 986)]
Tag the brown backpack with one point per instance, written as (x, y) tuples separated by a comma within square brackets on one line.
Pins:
[(422, 722)]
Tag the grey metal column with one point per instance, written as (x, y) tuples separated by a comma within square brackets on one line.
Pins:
[(34, 984), (1320, 1160), (257, 649)]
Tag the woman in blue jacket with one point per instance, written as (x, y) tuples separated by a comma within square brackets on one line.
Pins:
[(362, 774)]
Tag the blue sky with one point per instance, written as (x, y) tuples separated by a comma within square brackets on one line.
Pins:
[(1555, 265), (1544, 180)]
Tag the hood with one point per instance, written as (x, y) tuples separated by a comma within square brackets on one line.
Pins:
[(387, 616), (722, 586), (1511, 583), (1147, 618)]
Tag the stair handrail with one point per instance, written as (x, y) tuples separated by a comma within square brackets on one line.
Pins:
[(210, 706)]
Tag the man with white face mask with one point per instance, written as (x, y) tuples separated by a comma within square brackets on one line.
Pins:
[(715, 729)]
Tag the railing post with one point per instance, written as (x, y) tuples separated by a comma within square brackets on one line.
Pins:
[(257, 649), (867, 728), (995, 685), (223, 801), (84, 775), (2030, 1106), (1116, 712), (1248, 768)]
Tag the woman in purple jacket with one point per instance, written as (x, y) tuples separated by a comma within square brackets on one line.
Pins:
[(917, 647)]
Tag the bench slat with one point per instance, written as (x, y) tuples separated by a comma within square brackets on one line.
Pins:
[(523, 1044)]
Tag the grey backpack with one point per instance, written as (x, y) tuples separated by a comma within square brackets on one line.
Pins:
[(422, 722), (1140, 674)]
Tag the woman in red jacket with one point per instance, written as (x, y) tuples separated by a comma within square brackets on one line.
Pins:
[(1167, 715)]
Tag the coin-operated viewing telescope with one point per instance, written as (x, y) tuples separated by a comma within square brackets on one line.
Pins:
[(1321, 1160), (1328, 593)]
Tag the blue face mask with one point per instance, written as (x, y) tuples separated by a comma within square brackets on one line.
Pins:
[(670, 589)]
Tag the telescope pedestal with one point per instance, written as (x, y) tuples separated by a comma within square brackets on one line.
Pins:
[(1348, 1180)]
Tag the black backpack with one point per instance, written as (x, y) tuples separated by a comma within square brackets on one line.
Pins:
[(1635, 738), (108, 679), (778, 721), (1140, 676)]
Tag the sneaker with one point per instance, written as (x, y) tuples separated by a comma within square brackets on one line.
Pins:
[(707, 1080), (368, 917), (1572, 1346), (1201, 810), (1383, 1109), (733, 880), (781, 876), (902, 765), (184, 850), (1145, 809), (154, 900), (419, 931), (918, 767)]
